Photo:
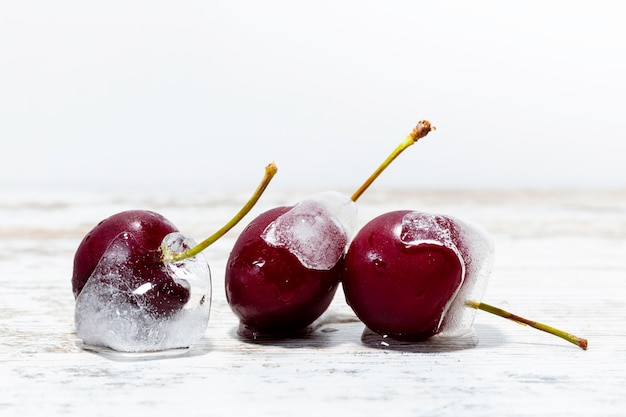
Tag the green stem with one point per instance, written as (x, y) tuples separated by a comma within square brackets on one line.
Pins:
[(582, 343), (270, 171), (421, 130)]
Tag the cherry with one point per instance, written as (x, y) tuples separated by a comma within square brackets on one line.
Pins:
[(269, 288), (285, 267), (138, 261), (144, 231), (411, 275), (402, 270)]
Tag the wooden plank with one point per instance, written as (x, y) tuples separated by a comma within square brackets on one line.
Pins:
[(561, 259)]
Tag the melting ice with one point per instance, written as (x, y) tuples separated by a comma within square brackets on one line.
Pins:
[(420, 227), (316, 231), (106, 315), (476, 249)]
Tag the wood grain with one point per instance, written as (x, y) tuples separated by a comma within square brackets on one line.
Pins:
[(561, 259)]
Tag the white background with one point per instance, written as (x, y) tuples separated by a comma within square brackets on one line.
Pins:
[(204, 94)]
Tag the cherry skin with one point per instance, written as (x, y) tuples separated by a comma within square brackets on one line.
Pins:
[(143, 232), (139, 283), (272, 289), (399, 289), (403, 271)]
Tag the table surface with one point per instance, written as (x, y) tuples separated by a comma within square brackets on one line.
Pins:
[(560, 259)]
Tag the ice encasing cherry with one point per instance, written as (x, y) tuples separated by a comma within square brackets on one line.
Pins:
[(407, 274), (284, 268), (133, 301), (141, 285), (144, 232)]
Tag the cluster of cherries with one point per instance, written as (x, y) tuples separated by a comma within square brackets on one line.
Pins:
[(407, 275)]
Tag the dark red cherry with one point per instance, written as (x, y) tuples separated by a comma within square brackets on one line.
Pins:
[(149, 284), (411, 275), (272, 289), (140, 284), (147, 227), (400, 280)]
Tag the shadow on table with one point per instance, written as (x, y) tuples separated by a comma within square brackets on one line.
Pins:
[(320, 334), (479, 336), (335, 329)]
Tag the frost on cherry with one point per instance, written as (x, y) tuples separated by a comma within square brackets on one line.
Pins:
[(316, 230), (122, 309), (475, 249)]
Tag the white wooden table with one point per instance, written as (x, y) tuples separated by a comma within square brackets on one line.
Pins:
[(561, 259)]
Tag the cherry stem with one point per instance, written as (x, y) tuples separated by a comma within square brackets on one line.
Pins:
[(580, 342), (270, 171), (421, 130)]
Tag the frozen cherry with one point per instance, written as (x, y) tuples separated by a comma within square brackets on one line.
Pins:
[(145, 231), (285, 267), (411, 275), (282, 272), (402, 272), (138, 283)]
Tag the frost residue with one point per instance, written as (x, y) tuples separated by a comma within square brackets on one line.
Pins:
[(317, 230)]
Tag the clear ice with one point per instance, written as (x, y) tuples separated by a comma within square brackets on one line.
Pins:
[(104, 317), (426, 228), (474, 246), (316, 230)]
